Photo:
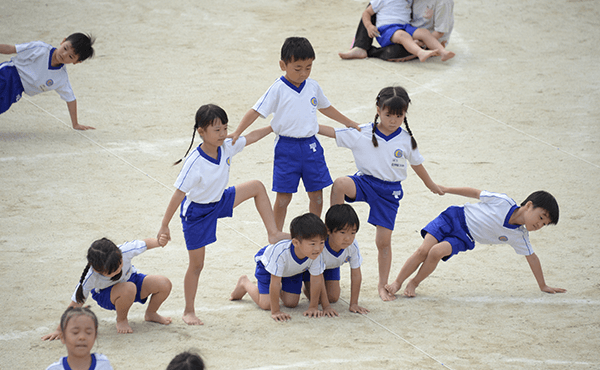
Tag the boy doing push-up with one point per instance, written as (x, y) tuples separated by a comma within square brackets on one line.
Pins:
[(496, 219)]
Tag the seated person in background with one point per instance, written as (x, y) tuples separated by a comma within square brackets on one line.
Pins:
[(435, 15)]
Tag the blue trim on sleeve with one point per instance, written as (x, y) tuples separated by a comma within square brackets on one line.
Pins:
[(292, 86)]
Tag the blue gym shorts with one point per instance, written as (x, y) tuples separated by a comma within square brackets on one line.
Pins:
[(11, 88), (328, 274), (103, 296), (383, 198), (200, 221), (386, 32), (450, 226), (299, 158), (290, 284)]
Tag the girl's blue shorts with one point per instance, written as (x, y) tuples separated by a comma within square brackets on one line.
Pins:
[(200, 221), (103, 296), (383, 198)]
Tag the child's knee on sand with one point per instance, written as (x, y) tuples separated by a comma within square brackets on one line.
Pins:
[(289, 299)]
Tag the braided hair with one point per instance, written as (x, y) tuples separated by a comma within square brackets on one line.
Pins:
[(395, 99), (205, 116), (103, 256)]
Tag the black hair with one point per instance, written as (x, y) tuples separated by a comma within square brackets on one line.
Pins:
[(341, 216), (82, 45), (296, 48), (71, 312), (206, 116), (308, 226), (395, 99), (186, 361), (103, 256), (543, 199)]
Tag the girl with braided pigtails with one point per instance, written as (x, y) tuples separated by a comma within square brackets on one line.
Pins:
[(115, 283), (381, 151)]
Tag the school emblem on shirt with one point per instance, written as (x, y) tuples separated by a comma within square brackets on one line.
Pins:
[(49, 83), (503, 238), (398, 153), (314, 101), (228, 161)]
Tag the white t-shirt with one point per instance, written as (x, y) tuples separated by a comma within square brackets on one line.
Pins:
[(392, 11), (37, 74), (333, 259), (280, 260), (294, 108), (99, 362), (94, 280), (203, 179), (488, 222), (387, 161)]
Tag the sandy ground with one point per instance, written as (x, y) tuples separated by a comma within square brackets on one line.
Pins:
[(514, 112)]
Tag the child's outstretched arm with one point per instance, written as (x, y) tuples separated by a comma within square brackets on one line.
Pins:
[(72, 106), (176, 200), (463, 191), (57, 334), (355, 282), (327, 131), (161, 241), (8, 49), (424, 176), (246, 121), (335, 115), (536, 268), (257, 134)]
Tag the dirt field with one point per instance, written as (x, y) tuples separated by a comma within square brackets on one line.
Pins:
[(515, 111)]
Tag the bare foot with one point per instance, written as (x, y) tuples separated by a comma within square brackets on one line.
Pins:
[(410, 289), (447, 55), (155, 317), (393, 287), (191, 319), (239, 291), (425, 54), (123, 327), (385, 295), (354, 53), (278, 236)]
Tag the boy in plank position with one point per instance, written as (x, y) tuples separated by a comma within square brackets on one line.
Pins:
[(496, 219), (279, 269)]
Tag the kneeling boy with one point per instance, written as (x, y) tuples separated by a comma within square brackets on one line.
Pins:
[(340, 247), (279, 269), (496, 219)]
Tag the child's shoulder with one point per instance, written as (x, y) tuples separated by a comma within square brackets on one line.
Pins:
[(32, 45)]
